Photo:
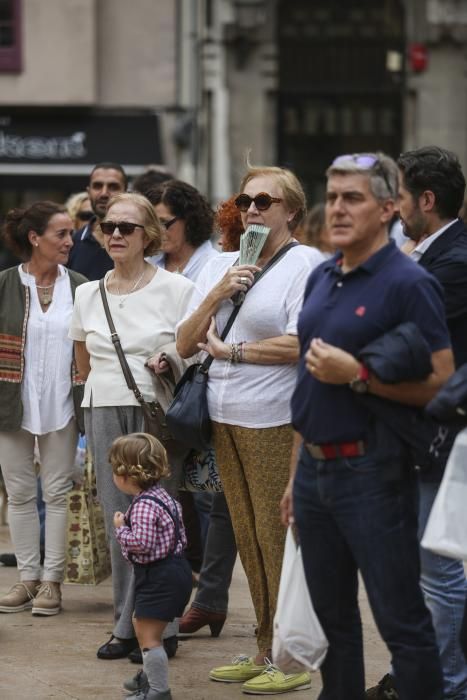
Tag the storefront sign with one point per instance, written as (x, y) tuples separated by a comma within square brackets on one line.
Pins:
[(67, 138)]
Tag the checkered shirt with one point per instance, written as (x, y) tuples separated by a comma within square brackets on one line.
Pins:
[(152, 532)]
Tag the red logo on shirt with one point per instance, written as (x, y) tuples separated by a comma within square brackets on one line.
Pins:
[(360, 311)]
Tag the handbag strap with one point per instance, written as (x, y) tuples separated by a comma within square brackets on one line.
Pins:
[(130, 380), (275, 259)]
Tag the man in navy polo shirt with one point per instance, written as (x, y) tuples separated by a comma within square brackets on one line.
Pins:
[(353, 491), (88, 255)]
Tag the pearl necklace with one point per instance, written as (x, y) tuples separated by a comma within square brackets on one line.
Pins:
[(45, 298), (123, 298)]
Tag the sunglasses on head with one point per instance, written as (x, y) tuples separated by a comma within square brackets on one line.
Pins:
[(85, 215), (365, 161), (262, 201), (125, 228)]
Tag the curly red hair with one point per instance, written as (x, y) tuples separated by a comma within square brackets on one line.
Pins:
[(229, 223)]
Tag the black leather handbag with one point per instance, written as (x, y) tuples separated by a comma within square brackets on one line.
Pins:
[(188, 415)]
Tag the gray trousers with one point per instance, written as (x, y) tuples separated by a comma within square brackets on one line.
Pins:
[(220, 553), (103, 425)]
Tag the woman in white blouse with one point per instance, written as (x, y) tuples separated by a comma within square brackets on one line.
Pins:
[(38, 395), (146, 303)]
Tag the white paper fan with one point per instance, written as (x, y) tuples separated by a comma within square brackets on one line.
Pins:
[(251, 243)]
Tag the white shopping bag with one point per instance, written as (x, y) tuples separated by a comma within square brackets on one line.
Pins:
[(446, 530), (299, 641)]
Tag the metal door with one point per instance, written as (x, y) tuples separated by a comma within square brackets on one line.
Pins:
[(341, 77)]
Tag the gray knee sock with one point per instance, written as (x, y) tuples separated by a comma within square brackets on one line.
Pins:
[(156, 667), (172, 628)]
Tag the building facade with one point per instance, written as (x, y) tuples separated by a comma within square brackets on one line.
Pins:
[(197, 86)]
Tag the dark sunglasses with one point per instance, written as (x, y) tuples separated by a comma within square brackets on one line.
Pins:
[(85, 215), (125, 228), (365, 161), (168, 224), (262, 201)]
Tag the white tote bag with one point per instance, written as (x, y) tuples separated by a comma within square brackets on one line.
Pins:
[(446, 530), (299, 641)]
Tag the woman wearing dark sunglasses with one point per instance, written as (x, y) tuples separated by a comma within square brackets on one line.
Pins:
[(250, 384), (79, 208), (188, 223), (146, 303)]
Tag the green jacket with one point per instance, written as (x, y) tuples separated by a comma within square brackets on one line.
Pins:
[(14, 313)]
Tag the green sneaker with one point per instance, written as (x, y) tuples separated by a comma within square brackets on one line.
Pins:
[(242, 669), (273, 682)]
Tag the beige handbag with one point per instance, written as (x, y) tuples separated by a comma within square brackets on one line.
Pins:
[(87, 551)]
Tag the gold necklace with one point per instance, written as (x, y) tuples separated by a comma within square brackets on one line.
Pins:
[(45, 297)]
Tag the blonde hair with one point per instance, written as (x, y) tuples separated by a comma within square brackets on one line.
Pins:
[(152, 225), (294, 195), (140, 457), (74, 202)]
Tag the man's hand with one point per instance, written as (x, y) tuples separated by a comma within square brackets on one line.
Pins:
[(330, 364)]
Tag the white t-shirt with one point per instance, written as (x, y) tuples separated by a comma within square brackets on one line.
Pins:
[(247, 394), (48, 353), (194, 265), (145, 323)]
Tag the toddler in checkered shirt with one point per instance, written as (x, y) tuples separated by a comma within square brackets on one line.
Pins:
[(152, 537)]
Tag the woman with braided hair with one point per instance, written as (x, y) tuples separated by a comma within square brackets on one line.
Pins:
[(152, 537)]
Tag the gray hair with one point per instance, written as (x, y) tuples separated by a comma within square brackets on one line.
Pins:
[(383, 175)]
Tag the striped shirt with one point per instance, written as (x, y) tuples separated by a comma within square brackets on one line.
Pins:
[(151, 535)]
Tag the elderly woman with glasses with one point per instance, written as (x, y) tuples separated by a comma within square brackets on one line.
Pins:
[(188, 223), (146, 303), (250, 384)]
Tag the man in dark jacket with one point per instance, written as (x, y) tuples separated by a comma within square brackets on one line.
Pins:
[(88, 255), (431, 194)]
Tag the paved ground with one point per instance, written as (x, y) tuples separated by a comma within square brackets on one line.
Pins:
[(54, 657)]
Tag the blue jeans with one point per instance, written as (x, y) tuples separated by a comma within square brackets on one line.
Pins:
[(352, 516), (463, 636), (445, 588), (203, 503)]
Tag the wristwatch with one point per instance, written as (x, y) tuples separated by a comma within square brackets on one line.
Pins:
[(360, 383)]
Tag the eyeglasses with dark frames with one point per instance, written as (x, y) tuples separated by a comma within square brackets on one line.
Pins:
[(262, 201), (364, 161), (125, 228), (168, 224)]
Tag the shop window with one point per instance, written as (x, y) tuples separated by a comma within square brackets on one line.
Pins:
[(10, 36)]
